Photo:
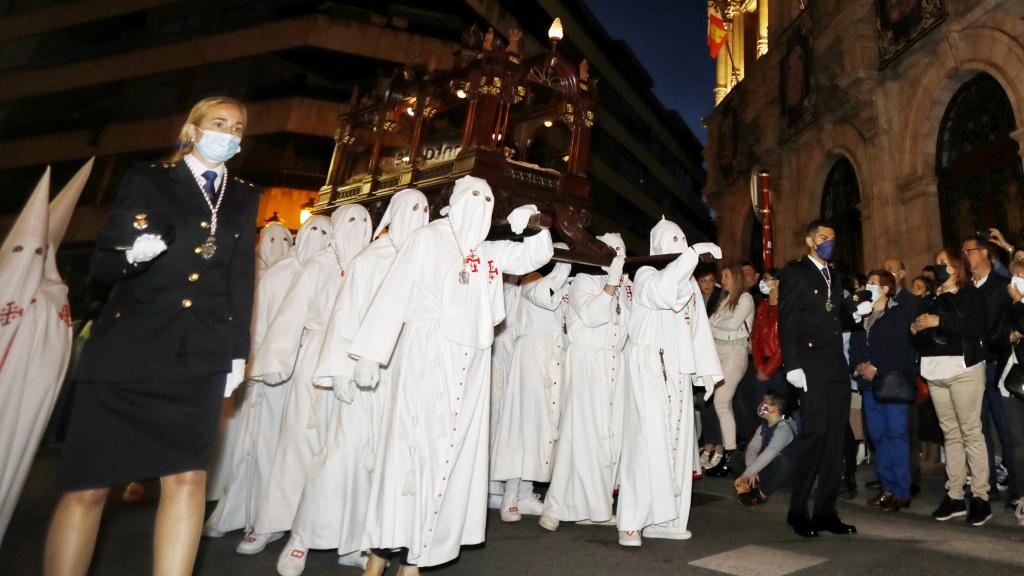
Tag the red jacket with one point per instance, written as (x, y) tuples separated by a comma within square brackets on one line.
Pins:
[(765, 339)]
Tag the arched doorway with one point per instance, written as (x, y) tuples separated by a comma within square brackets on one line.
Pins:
[(977, 163), (839, 205)]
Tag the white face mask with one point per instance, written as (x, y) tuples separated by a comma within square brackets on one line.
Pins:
[(1018, 283), (876, 291), (764, 287)]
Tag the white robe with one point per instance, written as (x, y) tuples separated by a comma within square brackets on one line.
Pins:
[(526, 428), (332, 511), (669, 347), (590, 431), (429, 490), (286, 359)]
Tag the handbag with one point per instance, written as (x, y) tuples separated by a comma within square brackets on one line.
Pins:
[(894, 387)]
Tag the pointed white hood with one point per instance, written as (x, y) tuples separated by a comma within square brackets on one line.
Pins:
[(352, 228), (667, 238), (312, 238), (469, 210), (407, 211), (274, 243), (61, 209), (615, 241)]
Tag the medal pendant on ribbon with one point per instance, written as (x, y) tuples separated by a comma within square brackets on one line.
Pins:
[(209, 248), (463, 277), (828, 306)]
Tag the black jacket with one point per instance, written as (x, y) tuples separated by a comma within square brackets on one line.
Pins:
[(909, 303), (997, 314), (811, 336), (178, 315), (961, 325), (886, 345)]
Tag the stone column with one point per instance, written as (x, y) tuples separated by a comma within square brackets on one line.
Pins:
[(735, 46), (762, 27), (721, 75), (920, 197)]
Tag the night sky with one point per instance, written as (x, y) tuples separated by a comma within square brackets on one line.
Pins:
[(670, 38)]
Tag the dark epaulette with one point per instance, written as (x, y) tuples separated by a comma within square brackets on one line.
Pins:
[(163, 165)]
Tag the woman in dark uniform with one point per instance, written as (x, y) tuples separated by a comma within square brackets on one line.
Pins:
[(179, 250)]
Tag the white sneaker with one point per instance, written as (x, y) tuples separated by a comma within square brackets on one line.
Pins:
[(1019, 513), (666, 533), (494, 501), (630, 538), (356, 559), (705, 459), (549, 523), (716, 459), (509, 508), (292, 560), (530, 505), (255, 543)]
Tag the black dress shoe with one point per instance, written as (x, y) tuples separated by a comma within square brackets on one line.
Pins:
[(833, 524), (801, 525)]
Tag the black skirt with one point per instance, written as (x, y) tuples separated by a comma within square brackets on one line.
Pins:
[(127, 431)]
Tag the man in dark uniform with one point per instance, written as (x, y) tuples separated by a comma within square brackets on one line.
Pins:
[(812, 316)]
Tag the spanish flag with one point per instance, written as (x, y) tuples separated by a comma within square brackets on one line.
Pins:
[(716, 30)]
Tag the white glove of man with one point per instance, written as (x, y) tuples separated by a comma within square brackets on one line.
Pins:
[(708, 248), (236, 377), (615, 270), (146, 247), (366, 374), (520, 217), (797, 378)]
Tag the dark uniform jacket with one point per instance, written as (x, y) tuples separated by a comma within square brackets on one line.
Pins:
[(811, 337), (178, 315)]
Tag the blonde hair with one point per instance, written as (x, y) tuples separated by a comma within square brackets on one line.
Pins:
[(196, 117)]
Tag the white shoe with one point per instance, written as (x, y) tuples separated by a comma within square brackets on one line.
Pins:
[(609, 522), (666, 533), (1019, 512), (211, 532), (292, 560), (715, 460), (549, 523), (255, 543), (630, 538), (356, 559), (509, 508), (530, 505), (494, 501), (705, 459)]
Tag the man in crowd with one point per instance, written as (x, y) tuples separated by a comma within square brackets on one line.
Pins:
[(751, 278), (992, 288), (812, 316)]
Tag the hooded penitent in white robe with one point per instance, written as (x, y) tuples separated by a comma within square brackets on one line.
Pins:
[(432, 323), (332, 513), (590, 431), (526, 427), (275, 242), (35, 331), (501, 360), (670, 346), (287, 358), (260, 417)]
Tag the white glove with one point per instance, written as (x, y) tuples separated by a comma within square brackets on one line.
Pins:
[(146, 247), (797, 378), (343, 389), (708, 248), (709, 387), (366, 374), (864, 308), (615, 270), (520, 217), (236, 377)]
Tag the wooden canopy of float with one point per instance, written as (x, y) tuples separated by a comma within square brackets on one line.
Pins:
[(521, 123)]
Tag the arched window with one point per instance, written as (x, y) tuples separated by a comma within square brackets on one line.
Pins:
[(839, 206), (978, 165)]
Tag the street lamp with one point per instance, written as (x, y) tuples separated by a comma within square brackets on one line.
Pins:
[(555, 33)]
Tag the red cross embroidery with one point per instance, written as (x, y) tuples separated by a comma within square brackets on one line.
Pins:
[(65, 315), (565, 298), (297, 554), (492, 271), (10, 312), (473, 260)]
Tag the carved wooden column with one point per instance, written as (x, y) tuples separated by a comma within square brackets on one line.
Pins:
[(762, 27)]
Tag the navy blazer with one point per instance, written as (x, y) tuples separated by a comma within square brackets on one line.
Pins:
[(178, 315), (886, 345)]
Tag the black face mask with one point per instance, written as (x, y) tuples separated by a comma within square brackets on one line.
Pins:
[(941, 274)]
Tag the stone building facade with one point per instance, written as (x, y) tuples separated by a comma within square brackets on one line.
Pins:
[(897, 119)]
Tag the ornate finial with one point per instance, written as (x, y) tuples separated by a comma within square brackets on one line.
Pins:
[(514, 37), (584, 70), (489, 40)]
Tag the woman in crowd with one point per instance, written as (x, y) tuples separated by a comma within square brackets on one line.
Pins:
[(764, 339), (709, 432), (948, 335), (730, 325), (928, 431), (152, 377), (883, 350)]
